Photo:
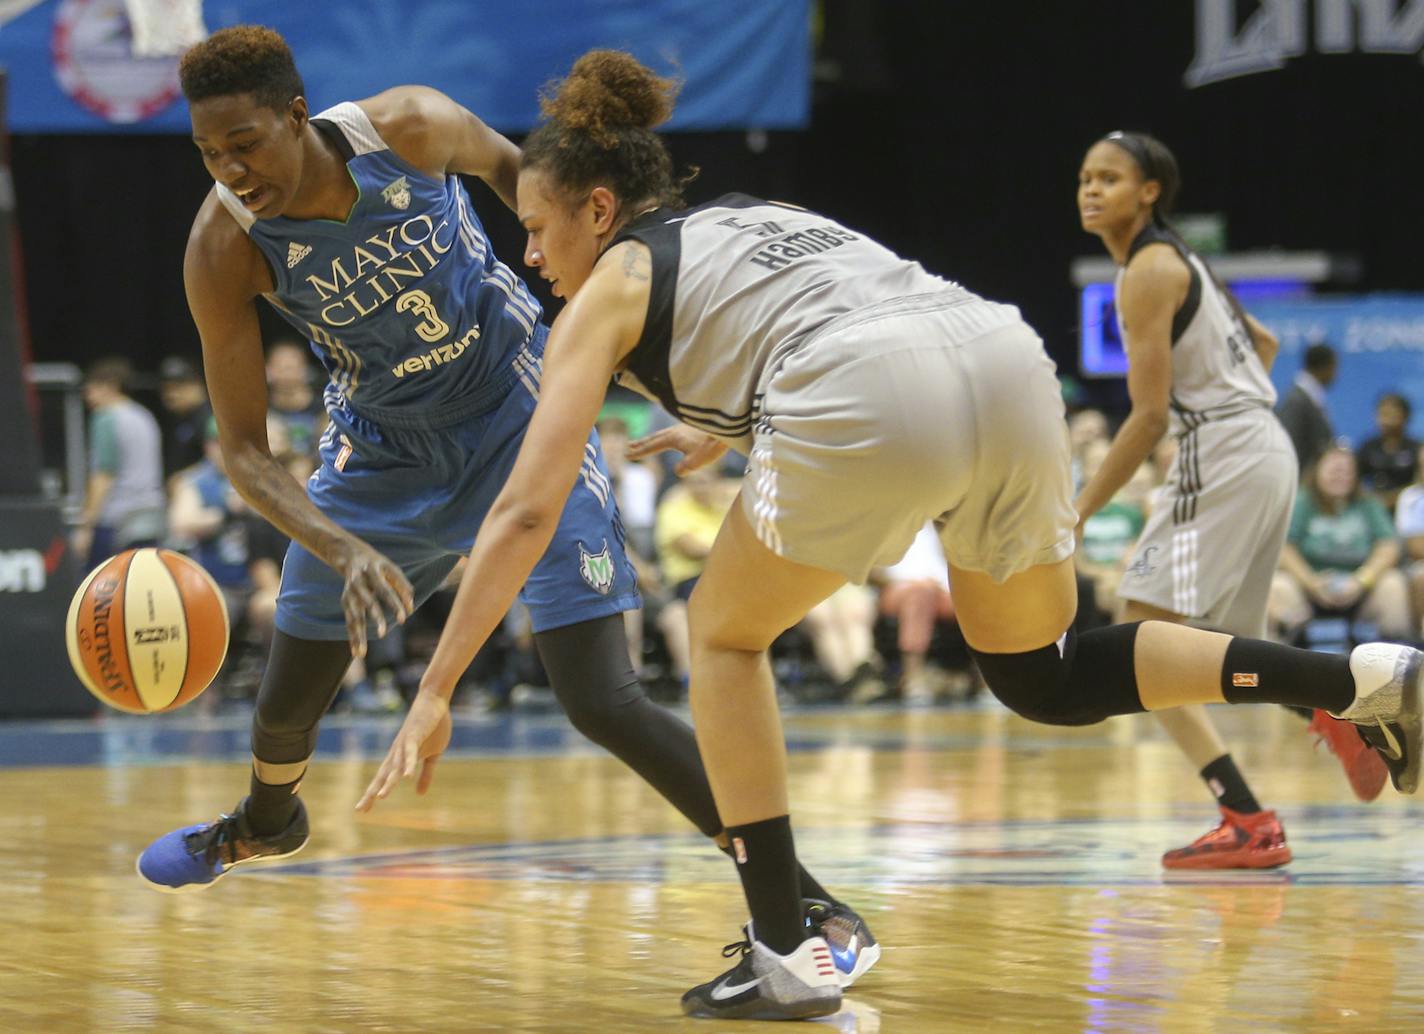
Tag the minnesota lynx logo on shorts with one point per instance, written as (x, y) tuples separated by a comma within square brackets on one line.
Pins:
[(597, 568), (397, 194)]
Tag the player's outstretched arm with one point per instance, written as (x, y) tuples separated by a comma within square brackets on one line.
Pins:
[(434, 133), (598, 327), (223, 273)]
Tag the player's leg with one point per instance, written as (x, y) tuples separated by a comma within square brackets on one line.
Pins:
[(301, 679), (587, 665), (1069, 679), (575, 596), (739, 733), (1248, 836)]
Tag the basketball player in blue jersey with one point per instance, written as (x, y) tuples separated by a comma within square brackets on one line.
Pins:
[(354, 225), (870, 397)]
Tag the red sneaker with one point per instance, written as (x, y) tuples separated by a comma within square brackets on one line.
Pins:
[(1240, 842), (1363, 766)]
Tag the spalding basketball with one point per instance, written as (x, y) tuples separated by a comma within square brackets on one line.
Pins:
[(147, 631)]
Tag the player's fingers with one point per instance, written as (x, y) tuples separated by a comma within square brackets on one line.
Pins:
[(656, 442), (393, 601), (356, 631), (427, 773)]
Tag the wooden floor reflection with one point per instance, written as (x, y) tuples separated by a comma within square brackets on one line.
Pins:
[(1010, 870)]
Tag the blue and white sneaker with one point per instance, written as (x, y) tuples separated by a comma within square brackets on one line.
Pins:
[(853, 947), (196, 857)]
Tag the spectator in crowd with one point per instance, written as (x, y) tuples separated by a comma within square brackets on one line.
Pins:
[(915, 593), (688, 519), (1409, 522), (1084, 428), (207, 511), (1111, 532), (1389, 460), (124, 504), (842, 631), (1303, 411), (1342, 553), (185, 415), (635, 487), (291, 396)]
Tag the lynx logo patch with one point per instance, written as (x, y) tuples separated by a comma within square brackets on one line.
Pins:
[(397, 194), (597, 568)]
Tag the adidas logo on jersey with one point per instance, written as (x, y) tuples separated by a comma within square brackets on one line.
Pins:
[(296, 252)]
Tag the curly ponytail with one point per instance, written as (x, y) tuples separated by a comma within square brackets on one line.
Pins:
[(599, 130)]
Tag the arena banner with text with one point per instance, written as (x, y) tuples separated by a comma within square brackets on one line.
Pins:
[(75, 67), (1380, 343)]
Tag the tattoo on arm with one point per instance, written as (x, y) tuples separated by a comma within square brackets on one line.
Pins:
[(637, 264)]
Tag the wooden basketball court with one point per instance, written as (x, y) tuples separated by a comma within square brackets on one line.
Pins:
[(1010, 870)]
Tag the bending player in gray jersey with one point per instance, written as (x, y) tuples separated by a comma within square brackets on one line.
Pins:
[(1197, 365), (871, 397)]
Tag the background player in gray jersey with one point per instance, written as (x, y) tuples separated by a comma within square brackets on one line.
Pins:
[(939, 413), (1198, 363)]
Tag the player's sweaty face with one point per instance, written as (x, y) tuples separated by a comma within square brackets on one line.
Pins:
[(253, 150), (1110, 188), (562, 244)]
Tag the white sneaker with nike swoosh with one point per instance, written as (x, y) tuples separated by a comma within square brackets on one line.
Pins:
[(768, 986), (1389, 707)]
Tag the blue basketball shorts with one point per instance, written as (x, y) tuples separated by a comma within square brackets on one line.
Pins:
[(419, 497)]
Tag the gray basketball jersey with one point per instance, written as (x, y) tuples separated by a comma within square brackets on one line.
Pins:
[(1215, 369), (739, 284)]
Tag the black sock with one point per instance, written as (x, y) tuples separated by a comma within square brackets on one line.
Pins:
[(270, 806), (811, 889), (766, 862), (1258, 672), (1226, 783)]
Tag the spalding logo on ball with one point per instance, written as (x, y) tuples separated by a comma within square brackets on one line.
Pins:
[(147, 631)]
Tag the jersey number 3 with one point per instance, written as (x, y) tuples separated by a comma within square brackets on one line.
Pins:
[(431, 327)]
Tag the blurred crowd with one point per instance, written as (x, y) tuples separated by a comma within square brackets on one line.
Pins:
[(1353, 567)]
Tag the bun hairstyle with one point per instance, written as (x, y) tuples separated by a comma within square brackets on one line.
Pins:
[(598, 131)]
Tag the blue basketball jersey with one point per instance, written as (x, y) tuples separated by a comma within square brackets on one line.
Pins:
[(416, 322)]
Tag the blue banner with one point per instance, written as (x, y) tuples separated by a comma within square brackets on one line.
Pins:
[(744, 63), (1380, 342)]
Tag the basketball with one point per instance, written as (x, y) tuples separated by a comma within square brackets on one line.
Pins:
[(147, 631)]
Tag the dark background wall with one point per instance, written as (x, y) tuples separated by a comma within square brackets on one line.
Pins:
[(951, 130)]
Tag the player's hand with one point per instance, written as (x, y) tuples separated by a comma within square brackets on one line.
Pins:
[(698, 449), (80, 541), (374, 588), (422, 738)]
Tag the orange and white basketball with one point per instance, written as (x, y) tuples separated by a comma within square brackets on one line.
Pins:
[(147, 631)]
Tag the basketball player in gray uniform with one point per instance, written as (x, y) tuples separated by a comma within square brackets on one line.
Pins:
[(1197, 366), (870, 397)]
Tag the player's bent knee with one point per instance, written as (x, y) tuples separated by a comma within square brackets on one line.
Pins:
[(1064, 684)]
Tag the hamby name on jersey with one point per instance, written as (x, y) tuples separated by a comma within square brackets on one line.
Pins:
[(787, 247)]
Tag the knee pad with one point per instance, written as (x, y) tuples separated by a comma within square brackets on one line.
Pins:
[(1079, 680)]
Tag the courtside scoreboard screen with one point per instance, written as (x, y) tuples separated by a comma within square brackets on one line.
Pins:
[(1100, 348)]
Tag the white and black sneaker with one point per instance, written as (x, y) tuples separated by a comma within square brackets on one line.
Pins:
[(1388, 709), (768, 986)]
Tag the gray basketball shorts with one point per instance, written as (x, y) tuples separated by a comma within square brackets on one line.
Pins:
[(926, 408), (1214, 537)]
